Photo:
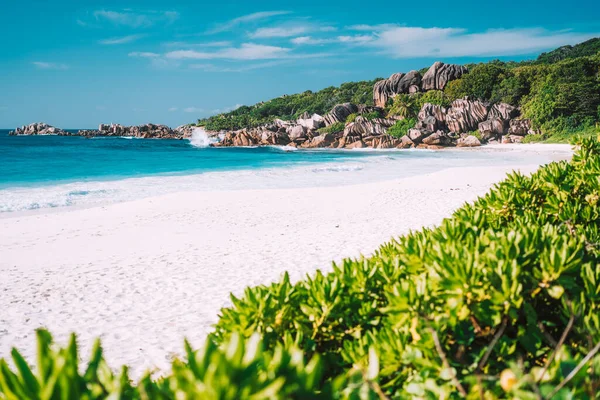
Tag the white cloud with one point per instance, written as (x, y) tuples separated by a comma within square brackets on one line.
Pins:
[(244, 68), (356, 39), (264, 33), (121, 40), (365, 27), (193, 110), (222, 43), (406, 42), (247, 51), (143, 54), (50, 65), (310, 40), (172, 109), (257, 16), (289, 30), (135, 19)]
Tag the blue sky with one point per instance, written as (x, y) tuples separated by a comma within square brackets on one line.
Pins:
[(75, 64)]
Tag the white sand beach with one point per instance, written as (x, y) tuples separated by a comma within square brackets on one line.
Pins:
[(144, 274)]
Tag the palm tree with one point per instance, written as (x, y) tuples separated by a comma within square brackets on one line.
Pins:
[(404, 106)]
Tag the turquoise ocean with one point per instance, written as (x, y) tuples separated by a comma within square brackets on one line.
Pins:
[(58, 171)]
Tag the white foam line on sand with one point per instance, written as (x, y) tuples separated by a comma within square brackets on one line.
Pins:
[(144, 274)]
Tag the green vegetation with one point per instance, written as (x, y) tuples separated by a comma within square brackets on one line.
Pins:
[(351, 118), (401, 127), (404, 105), (501, 301), (476, 133), (451, 310), (534, 139), (587, 48), (561, 98), (333, 128), (560, 93), (292, 106)]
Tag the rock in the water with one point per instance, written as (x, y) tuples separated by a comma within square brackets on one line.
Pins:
[(243, 138), (38, 128), (439, 74), (468, 141), (147, 131), (465, 115), (339, 113), (396, 84), (520, 127), (185, 130)]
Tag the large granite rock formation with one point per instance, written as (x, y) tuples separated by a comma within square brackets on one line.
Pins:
[(520, 127), (339, 113), (465, 115), (497, 122), (186, 131), (38, 128), (396, 84), (439, 74), (362, 127), (313, 122)]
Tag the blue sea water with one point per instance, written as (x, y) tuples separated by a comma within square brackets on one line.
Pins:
[(43, 160), (57, 171)]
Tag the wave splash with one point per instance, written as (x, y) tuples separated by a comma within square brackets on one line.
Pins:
[(201, 139)]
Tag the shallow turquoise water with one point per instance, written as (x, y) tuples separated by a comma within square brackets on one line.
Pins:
[(39, 172), (42, 160)]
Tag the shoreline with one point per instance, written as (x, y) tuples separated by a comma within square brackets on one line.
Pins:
[(334, 172), (144, 274)]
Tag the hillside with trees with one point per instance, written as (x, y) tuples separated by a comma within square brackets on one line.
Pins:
[(559, 92)]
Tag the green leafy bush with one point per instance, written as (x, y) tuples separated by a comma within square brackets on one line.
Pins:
[(351, 118), (476, 305), (476, 133), (437, 97), (336, 127), (401, 127), (534, 139)]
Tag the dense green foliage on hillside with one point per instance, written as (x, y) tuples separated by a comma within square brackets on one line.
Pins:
[(560, 92), (587, 48), (501, 301), (292, 106)]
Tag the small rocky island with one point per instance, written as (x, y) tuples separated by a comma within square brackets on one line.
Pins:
[(147, 131), (436, 126)]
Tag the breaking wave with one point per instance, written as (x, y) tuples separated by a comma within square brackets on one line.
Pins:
[(201, 139)]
